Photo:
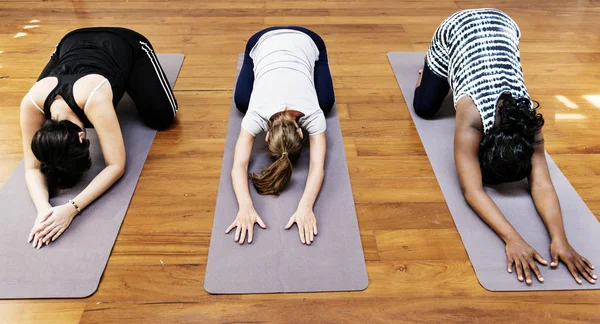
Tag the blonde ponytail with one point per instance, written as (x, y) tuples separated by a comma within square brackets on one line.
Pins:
[(273, 179), (284, 148)]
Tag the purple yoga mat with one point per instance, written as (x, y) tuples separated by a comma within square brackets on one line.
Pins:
[(71, 267), (277, 261), (486, 251)]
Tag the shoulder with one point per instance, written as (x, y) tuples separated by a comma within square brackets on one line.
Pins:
[(467, 114), (253, 123), (41, 89), (92, 91), (314, 123)]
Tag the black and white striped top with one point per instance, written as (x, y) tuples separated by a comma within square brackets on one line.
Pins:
[(477, 51)]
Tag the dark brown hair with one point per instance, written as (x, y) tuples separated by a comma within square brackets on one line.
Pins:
[(63, 158), (284, 148)]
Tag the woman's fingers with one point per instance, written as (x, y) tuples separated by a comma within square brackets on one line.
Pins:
[(39, 242), (306, 235), (45, 224), (588, 263), (312, 234), (539, 258), (537, 271), (554, 262), (36, 238), (48, 236), (58, 234), (509, 265), (237, 233), (250, 233), (580, 267), (519, 267), (315, 228), (527, 270), (290, 223), (31, 235), (587, 266), (41, 226), (573, 272), (301, 232), (244, 229), (47, 230), (231, 227), (260, 222)]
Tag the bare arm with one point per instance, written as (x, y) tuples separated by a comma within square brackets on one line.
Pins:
[(304, 216), (31, 119), (544, 194), (316, 170), (246, 216), (103, 116), (466, 147), (239, 172), (105, 121), (548, 206)]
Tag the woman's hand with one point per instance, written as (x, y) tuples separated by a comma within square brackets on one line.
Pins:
[(54, 225), (304, 217), (523, 256), (561, 250), (41, 217), (244, 221)]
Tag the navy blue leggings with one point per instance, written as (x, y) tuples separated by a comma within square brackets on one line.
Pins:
[(430, 94), (322, 75)]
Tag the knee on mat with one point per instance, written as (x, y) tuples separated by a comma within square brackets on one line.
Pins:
[(241, 102), (160, 120), (327, 104), (425, 109)]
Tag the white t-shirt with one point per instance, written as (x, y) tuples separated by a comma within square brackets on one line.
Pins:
[(284, 63)]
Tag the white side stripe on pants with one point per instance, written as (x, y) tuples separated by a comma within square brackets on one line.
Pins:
[(161, 77)]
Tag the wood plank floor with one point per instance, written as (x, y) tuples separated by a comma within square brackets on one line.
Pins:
[(170, 217)]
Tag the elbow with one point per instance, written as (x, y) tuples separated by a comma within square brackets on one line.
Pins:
[(471, 194), (320, 172), (237, 168), (119, 170), (542, 188)]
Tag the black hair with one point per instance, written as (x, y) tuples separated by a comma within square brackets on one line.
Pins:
[(63, 158), (505, 152)]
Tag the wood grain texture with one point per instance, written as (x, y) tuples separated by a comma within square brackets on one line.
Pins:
[(418, 269)]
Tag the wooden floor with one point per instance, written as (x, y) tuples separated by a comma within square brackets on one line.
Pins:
[(418, 268)]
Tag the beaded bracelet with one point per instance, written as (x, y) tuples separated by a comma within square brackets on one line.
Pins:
[(76, 207)]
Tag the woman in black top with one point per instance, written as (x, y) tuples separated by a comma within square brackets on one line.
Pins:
[(80, 87)]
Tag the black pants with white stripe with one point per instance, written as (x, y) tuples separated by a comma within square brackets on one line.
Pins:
[(127, 59), (148, 86)]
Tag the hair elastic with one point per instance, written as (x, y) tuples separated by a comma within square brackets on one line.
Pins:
[(284, 153)]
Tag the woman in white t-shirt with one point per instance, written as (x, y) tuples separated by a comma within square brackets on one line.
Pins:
[(284, 87)]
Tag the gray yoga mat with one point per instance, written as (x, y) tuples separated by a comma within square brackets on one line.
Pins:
[(486, 251), (71, 267), (276, 260)]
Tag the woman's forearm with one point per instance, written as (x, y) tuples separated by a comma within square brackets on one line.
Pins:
[(38, 190), (239, 178), (314, 181), (99, 185), (487, 210), (547, 204)]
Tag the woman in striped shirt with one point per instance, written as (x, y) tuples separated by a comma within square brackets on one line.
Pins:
[(498, 135)]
